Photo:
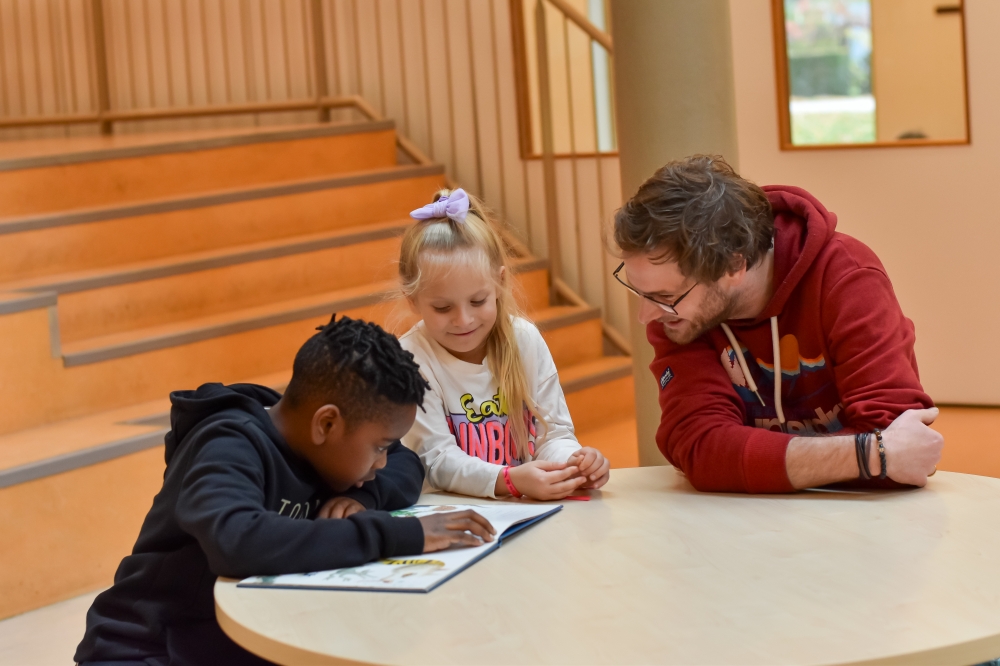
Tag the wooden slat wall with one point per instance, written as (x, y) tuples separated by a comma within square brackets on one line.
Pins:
[(443, 69)]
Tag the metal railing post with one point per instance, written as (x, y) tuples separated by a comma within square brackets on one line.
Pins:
[(548, 151), (101, 65), (319, 59)]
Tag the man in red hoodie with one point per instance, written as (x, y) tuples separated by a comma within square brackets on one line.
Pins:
[(777, 340)]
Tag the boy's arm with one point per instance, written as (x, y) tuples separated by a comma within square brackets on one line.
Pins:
[(221, 504), (396, 486)]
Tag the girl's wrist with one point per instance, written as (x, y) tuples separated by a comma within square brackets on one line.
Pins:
[(507, 473), (500, 486)]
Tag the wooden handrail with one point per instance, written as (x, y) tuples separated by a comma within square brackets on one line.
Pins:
[(582, 22), (184, 112)]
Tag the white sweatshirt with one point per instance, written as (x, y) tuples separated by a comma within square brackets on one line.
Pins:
[(460, 435)]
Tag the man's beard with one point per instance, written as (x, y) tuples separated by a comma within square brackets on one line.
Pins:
[(716, 308)]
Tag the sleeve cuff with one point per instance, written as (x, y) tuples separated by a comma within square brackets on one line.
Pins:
[(409, 537), (764, 462), (365, 498), (490, 490)]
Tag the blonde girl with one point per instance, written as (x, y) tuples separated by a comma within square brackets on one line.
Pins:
[(495, 422)]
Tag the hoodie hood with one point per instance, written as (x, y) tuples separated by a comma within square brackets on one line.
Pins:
[(216, 402), (802, 226)]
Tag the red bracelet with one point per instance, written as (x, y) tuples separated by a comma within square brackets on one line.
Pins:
[(510, 484)]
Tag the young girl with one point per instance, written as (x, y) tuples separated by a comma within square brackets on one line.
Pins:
[(495, 422)]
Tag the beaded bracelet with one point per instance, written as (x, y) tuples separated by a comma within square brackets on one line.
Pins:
[(881, 453), (510, 484)]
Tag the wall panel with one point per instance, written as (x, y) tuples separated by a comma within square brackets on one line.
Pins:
[(444, 70)]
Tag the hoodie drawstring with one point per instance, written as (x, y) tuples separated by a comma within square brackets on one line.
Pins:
[(738, 353), (776, 347)]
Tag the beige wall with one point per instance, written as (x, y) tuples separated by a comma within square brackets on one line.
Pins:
[(927, 212), (917, 69)]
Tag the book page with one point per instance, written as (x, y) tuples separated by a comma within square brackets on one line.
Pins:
[(416, 573), (501, 515)]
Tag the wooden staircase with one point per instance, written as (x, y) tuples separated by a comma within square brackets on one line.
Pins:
[(131, 266)]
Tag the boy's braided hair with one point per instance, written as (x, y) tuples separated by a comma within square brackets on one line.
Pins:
[(357, 366)]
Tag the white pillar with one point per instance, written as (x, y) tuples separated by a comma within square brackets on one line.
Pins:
[(673, 97)]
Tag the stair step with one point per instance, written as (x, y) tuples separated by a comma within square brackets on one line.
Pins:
[(130, 343), (72, 529), (39, 176), (573, 333), (98, 238), (585, 375), (67, 283), (173, 333), (558, 316), (122, 298), (72, 443), (602, 404)]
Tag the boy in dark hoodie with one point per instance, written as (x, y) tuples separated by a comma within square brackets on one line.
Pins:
[(253, 479)]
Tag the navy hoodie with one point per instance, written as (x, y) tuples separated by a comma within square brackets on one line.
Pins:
[(236, 501)]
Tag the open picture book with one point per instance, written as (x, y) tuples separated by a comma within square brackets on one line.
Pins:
[(416, 573)]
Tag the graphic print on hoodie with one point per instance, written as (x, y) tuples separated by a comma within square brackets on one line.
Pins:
[(483, 431), (817, 415), (236, 501), (845, 354)]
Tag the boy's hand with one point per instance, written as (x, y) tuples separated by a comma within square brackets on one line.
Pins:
[(453, 528), (593, 465), (340, 507), (545, 480)]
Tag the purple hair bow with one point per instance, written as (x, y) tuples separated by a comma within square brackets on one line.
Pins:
[(455, 206)]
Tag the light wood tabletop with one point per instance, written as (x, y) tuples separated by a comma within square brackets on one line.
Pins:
[(651, 571)]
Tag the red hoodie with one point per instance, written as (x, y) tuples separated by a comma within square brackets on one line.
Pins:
[(846, 355)]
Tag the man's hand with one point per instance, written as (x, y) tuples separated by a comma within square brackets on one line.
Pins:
[(912, 449), (340, 507), (593, 465), (462, 528), (545, 480)]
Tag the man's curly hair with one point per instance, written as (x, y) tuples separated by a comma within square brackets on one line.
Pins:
[(357, 366), (699, 213)]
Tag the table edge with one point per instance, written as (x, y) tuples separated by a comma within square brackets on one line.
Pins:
[(271, 649), (973, 651)]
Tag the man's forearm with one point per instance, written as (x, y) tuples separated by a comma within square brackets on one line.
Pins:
[(817, 461)]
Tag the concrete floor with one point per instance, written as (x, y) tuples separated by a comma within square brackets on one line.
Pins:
[(47, 636)]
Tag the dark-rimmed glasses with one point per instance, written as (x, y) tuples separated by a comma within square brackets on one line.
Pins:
[(669, 308)]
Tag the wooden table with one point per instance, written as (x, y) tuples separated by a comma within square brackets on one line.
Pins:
[(654, 572)]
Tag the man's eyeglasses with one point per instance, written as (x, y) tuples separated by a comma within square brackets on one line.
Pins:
[(669, 308)]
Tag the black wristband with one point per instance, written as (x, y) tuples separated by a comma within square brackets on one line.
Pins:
[(861, 451), (881, 453)]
